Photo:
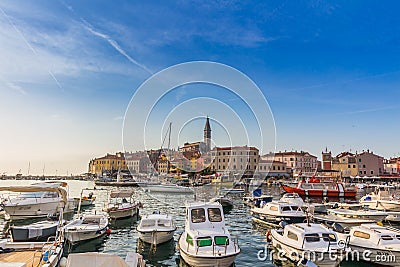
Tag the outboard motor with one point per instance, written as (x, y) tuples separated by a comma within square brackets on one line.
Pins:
[(338, 228)]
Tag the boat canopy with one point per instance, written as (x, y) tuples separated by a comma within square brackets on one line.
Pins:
[(36, 188), (95, 259), (121, 194)]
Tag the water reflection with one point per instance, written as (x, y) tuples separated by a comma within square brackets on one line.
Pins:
[(155, 254)]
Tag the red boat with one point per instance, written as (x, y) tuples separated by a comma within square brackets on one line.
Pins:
[(321, 190)]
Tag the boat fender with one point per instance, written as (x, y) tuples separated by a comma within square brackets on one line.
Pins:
[(45, 256), (108, 231), (379, 223), (269, 236), (63, 262)]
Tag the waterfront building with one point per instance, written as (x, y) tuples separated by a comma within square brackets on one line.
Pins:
[(346, 163), (267, 168), (237, 159), (108, 164), (298, 162), (392, 166)]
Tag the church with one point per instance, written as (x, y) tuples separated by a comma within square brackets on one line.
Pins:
[(196, 149)]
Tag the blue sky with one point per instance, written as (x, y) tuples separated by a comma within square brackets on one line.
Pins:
[(329, 70)]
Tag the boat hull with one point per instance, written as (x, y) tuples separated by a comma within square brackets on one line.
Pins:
[(156, 238), (170, 189), (197, 261), (26, 211), (319, 192), (79, 236), (382, 205), (275, 220), (123, 213), (391, 256), (23, 234)]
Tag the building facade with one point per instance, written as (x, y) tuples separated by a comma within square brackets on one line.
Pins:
[(296, 162), (267, 168), (392, 166), (346, 163), (238, 159), (108, 164)]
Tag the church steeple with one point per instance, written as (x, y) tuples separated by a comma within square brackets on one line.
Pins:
[(207, 135)]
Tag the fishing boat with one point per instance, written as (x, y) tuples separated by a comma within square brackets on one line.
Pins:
[(374, 243), (321, 190), (381, 200), (225, 202), (169, 188), (331, 219), (96, 259), (34, 253), (275, 212), (39, 231), (374, 215), (292, 198), (308, 242), (121, 205), (86, 227), (156, 228), (88, 200), (35, 203), (206, 241)]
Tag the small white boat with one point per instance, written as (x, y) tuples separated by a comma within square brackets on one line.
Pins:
[(33, 202), (96, 259), (374, 243), (275, 212), (39, 231), (156, 228), (232, 190), (88, 226), (206, 242), (374, 215), (225, 202), (121, 205), (330, 219), (169, 188), (257, 198), (312, 242), (88, 200), (292, 198), (381, 201)]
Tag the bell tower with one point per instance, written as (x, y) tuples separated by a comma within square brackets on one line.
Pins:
[(207, 135)]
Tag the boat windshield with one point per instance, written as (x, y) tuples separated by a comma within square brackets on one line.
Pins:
[(329, 237), (198, 215), (148, 223), (204, 241), (214, 215), (164, 223), (221, 240)]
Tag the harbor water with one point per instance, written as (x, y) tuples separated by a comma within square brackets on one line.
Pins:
[(124, 237)]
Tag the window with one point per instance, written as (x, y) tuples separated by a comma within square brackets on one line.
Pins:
[(329, 237), (204, 241), (361, 235), (286, 208), (214, 215), (221, 240), (387, 237), (364, 166), (372, 172), (312, 238), (273, 208), (359, 160), (292, 236), (198, 215), (294, 207), (354, 166)]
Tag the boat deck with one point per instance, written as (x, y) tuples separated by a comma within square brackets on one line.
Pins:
[(27, 257)]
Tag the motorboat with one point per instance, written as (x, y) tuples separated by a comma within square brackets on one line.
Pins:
[(169, 188), (96, 259), (321, 190), (206, 241), (374, 215), (39, 231), (232, 190), (257, 198), (275, 212), (374, 243), (381, 200), (86, 227), (330, 219), (156, 228), (88, 200), (308, 242), (292, 198), (34, 253), (121, 205), (225, 202), (33, 202)]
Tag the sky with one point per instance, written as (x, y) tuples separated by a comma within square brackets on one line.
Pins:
[(329, 71)]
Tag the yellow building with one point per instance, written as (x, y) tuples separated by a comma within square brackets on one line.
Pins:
[(346, 163), (108, 163)]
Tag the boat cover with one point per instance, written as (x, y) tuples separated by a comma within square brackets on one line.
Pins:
[(35, 188), (95, 259)]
